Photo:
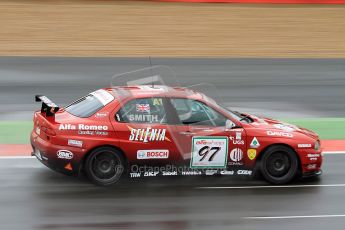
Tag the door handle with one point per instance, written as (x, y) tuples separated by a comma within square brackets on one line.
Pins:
[(187, 133)]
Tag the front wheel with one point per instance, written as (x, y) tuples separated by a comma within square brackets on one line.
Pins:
[(105, 166), (279, 165)]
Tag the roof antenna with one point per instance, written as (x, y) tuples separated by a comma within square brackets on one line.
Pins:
[(153, 84)]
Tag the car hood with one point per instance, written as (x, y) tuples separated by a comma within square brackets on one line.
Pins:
[(275, 125)]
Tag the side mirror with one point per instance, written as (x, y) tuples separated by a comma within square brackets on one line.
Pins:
[(229, 124)]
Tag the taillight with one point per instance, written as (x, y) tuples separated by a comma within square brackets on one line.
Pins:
[(317, 145), (48, 131)]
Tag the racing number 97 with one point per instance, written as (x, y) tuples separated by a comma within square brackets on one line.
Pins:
[(204, 151)]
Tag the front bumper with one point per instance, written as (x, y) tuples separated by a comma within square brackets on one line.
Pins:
[(311, 160), (312, 174)]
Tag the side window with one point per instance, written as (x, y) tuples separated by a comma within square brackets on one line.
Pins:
[(191, 112), (143, 110)]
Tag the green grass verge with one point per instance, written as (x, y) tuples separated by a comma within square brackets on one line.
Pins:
[(15, 132), (327, 128), (18, 132)]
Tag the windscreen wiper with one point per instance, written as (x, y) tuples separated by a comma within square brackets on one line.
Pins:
[(246, 117)]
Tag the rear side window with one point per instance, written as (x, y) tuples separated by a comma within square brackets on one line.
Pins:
[(143, 110), (90, 104)]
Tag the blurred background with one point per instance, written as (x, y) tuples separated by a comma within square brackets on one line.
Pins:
[(281, 59)]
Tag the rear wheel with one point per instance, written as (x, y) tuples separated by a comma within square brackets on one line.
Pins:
[(279, 165), (105, 166)]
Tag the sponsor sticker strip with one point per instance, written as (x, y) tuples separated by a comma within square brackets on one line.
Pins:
[(207, 172)]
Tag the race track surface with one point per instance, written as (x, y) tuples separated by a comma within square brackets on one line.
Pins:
[(34, 197), (271, 87)]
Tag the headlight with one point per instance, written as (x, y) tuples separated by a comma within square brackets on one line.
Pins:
[(317, 145)]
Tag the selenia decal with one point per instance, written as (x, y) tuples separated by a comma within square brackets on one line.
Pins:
[(208, 152), (147, 135)]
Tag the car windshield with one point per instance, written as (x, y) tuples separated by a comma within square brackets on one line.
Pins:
[(234, 114), (90, 104)]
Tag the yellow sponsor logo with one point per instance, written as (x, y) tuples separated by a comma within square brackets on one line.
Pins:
[(251, 154)]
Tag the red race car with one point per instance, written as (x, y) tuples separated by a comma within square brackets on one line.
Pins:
[(157, 130)]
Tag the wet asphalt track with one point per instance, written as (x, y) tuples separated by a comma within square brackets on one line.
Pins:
[(34, 197), (272, 87)]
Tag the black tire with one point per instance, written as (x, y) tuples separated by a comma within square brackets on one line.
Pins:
[(105, 166), (279, 165)]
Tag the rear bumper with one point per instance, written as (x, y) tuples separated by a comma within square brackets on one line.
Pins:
[(55, 166), (46, 153)]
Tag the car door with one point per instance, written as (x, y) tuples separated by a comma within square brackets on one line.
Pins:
[(143, 131), (202, 137)]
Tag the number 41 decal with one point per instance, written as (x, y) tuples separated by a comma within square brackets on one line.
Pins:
[(209, 152)]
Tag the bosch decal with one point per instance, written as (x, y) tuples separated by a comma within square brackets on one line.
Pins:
[(152, 154)]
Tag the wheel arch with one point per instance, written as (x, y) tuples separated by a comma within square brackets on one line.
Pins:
[(258, 160)]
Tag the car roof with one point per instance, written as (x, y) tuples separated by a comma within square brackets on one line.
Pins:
[(141, 91)]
